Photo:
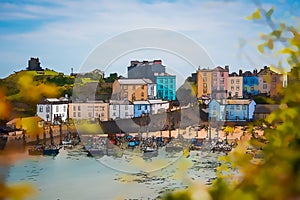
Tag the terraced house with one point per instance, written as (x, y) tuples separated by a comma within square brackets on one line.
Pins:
[(231, 110)]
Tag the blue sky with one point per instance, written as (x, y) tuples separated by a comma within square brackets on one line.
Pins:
[(64, 33)]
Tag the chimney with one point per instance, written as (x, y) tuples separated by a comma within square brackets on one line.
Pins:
[(227, 68), (255, 72), (240, 72)]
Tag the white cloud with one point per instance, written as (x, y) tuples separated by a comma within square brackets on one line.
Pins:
[(71, 29)]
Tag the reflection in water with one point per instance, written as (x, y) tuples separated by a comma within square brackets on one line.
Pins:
[(72, 173)]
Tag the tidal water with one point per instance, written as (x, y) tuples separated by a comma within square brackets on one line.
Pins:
[(73, 175)]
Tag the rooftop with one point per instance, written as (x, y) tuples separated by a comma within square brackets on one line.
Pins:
[(127, 81)]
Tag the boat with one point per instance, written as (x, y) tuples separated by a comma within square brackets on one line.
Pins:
[(36, 150), (174, 147), (196, 144), (51, 150), (67, 143), (95, 152), (150, 151)]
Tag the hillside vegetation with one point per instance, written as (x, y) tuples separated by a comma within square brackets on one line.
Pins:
[(24, 89)]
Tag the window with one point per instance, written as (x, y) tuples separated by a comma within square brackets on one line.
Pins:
[(125, 87), (114, 107), (74, 114), (244, 107), (204, 79), (236, 94), (126, 107), (78, 108), (126, 113), (41, 109), (102, 114), (222, 74), (232, 88), (142, 94), (139, 107), (238, 107), (125, 94), (114, 114), (237, 81), (65, 108), (74, 108), (222, 81), (264, 86), (47, 109), (232, 81), (90, 114), (79, 114), (204, 73), (101, 108), (252, 81), (214, 108), (237, 88), (57, 109), (232, 107), (252, 88)]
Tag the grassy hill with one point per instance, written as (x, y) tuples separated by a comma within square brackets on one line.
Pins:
[(24, 89)]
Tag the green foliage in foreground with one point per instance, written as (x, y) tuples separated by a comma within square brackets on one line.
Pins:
[(277, 174)]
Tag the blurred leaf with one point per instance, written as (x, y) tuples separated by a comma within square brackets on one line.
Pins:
[(255, 15), (276, 33), (270, 44), (261, 48), (270, 12)]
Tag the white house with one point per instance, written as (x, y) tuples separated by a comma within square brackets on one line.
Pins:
[(158, 106), (51, 109), (152, 94), (121, 109)]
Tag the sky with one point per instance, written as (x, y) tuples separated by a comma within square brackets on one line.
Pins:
[(64, 34)]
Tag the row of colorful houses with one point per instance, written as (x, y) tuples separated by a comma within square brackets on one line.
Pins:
[(146, 80), (54, 110), (217, 83)]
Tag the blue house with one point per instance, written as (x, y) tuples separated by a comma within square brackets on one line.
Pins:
[(250, 84), (166, 86), (239, 110), (141, 108), (216, 111), (232, 110)]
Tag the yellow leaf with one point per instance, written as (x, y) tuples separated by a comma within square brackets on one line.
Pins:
[(286, 51), (255, 15), (270, 44), (261, 48)]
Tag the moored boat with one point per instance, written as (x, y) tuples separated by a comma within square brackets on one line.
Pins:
[(36, 150), (51, 150)]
